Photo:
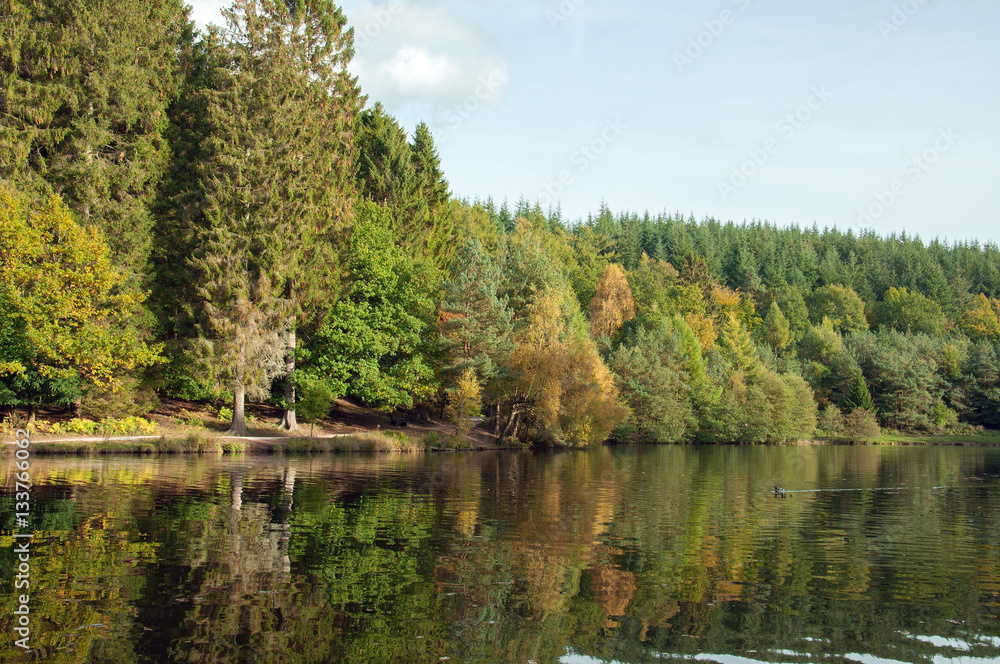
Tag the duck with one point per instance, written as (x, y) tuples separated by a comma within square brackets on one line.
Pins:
[(778, 491)]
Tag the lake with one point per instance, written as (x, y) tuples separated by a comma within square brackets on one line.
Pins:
[(875, 555)]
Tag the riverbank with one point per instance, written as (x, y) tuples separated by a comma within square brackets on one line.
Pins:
[(183, 427), (368, 442)]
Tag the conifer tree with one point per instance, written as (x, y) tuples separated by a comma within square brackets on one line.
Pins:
[(280, 110), (433, 188), (738, 348), (858, 395), (474, 320), (86, 86)]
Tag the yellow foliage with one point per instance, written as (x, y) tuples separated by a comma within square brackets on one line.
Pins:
[(613, 304), (983, 320), (572, 393), (465, 401), (69, 296)]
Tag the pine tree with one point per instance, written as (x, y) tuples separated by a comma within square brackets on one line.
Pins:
[(858, 395), (474, 320), (280, 109), (83, 112)]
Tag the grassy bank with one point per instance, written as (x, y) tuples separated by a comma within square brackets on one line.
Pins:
[(988, 437), (365, 442)]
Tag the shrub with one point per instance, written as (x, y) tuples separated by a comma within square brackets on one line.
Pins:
[(861, 426), (831, 422)]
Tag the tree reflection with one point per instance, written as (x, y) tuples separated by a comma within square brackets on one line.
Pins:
[(627, 555)]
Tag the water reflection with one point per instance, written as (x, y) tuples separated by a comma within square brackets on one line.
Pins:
[(876, 554)]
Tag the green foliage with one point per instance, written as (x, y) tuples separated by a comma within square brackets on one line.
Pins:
[(861, 426), (406, 181), (64, 309), (831, 421), (776, 331), (475, 322), (655, 386), (84, 110), (903, 372), (909, 312), (314, 402), (273, 209), (373, 341), (841, 305), (858, 395)]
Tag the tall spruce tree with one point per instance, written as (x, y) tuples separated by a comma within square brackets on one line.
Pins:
[(84, 90), (437, 234), (858, 395), (280, 108)]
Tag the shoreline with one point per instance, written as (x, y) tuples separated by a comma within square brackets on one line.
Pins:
[(374, 441)]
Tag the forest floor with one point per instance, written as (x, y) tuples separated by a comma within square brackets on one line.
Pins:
[(178, 420)]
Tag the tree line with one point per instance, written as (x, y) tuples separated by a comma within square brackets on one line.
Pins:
[(224, 216)]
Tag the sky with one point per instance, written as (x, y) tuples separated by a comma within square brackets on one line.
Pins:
[(862, 114)]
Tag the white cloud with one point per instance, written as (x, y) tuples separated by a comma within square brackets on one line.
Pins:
[(425, 55)]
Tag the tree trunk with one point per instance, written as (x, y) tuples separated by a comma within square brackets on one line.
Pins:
[(496, 419), (511, 423), (239, 424), (288, 421), (78, 407)]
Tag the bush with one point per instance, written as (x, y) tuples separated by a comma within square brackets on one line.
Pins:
[(861, 426), (126, 426), (132, 399), (831, 421)]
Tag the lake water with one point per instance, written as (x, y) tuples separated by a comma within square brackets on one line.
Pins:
[(876, 555)]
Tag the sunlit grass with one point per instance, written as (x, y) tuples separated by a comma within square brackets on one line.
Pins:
[(988, 437)]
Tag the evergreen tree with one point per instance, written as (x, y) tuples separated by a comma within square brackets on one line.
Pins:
[(858, 395), (475, 321), (279, 109), (86, 88)]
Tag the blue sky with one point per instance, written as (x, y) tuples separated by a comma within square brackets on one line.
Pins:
[(851, 113)]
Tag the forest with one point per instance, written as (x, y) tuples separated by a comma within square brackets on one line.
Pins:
[(224, 216)]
